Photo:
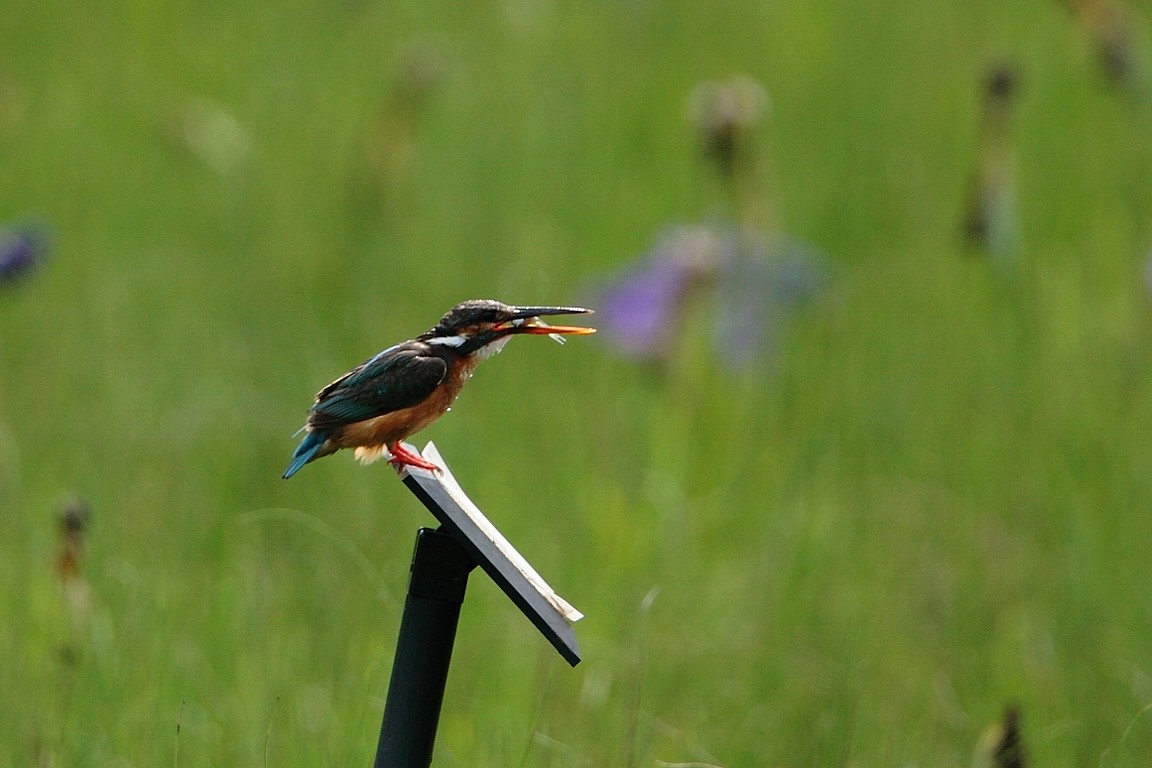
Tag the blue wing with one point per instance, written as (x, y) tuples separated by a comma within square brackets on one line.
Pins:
[(399, 377), (306, 452)]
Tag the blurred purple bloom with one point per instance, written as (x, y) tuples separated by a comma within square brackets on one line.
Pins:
[(640, 309), (753, 286), (22, 247), (760, 285)]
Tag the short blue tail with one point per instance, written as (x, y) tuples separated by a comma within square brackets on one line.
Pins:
[(305, 452)]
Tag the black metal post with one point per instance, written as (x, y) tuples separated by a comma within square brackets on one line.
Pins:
[(440, 568)]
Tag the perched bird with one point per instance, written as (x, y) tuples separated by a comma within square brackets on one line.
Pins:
[(403, 389)]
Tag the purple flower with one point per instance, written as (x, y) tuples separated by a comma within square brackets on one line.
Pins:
[(22, 247), (641, 309), (760, 286), (748, 284)]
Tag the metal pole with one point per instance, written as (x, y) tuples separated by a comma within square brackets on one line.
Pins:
[(440, 568)]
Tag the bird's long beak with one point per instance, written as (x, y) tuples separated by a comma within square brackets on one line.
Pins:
[(527, 320), (526, 312)]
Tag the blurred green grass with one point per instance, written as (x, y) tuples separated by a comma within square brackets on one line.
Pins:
[(934, 505)]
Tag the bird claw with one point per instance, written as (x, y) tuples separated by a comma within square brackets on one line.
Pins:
[(402, 457), (399, 466)]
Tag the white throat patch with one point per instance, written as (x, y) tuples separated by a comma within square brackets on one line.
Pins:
[(488, 350), (448, 341), (483, 353)]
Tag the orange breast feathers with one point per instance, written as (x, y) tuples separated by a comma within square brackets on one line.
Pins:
[(371, 436)]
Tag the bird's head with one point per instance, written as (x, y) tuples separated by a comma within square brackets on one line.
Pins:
[(483, 326)]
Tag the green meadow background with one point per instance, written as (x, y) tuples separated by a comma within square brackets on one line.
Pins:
[(935, 503)]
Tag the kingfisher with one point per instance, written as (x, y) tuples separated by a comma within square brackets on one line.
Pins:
[(403, 389)]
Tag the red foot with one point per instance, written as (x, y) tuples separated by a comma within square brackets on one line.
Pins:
[(402, 457)]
